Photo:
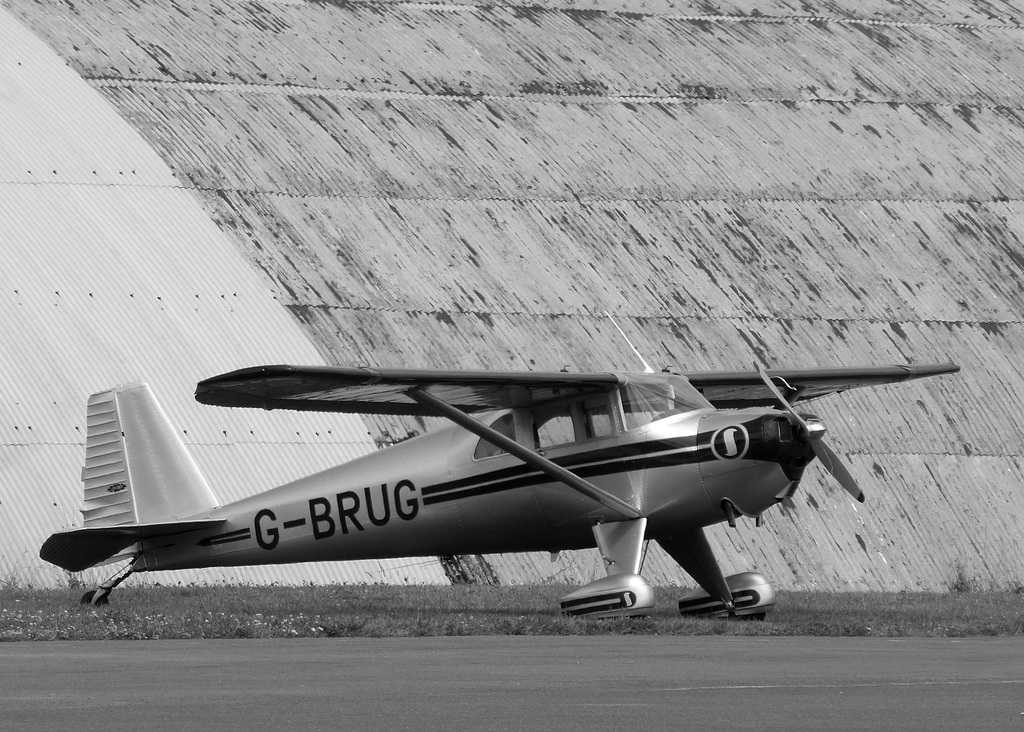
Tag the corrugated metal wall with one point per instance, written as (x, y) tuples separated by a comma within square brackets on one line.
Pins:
[(112, 272), (473, 185)]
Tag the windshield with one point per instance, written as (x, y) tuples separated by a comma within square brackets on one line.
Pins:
[(647, 397)]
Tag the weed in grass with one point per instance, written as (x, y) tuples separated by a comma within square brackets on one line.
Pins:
[(72, 580), (962, 581)]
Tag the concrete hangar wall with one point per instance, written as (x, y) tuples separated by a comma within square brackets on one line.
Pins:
[(113, 273), (469, 185)]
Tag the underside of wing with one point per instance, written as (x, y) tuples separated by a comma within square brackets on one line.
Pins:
[(733, 389), (386, 391)]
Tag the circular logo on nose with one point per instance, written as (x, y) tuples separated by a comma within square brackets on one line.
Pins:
[(730, 443)]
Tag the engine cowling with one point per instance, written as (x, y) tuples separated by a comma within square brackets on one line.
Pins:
[(621, 595), (752, 597)]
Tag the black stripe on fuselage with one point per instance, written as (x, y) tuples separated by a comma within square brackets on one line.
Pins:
[(228, 538), (590, 464), (633, 451)]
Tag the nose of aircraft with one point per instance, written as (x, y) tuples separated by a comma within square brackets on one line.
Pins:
[(814, 434), (756, 458), (788, 443), (793, 441), (764, 436), (740, 444)]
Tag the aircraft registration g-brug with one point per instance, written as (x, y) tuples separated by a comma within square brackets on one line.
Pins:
[(531, 462)]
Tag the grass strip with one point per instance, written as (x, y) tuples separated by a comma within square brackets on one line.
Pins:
[(370, 610)]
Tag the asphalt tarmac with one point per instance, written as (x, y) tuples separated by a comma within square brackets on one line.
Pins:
[(505, 683)]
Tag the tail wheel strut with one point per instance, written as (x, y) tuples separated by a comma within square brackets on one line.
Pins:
[(100, 596)]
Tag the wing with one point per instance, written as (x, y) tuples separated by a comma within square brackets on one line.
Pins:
[(386, 391), (456, 394), (729, 389)]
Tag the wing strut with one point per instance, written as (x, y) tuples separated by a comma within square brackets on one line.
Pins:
[(528, 456)]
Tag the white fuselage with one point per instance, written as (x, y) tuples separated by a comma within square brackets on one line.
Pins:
[(430, 496)]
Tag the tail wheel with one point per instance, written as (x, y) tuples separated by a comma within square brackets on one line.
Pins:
[(88, 598)]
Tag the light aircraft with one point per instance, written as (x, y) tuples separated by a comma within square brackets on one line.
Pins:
[(531, 462)]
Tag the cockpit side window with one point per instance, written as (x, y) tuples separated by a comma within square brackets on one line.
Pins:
[(597, 417), (642, 405), (506, 425), (645, 399)]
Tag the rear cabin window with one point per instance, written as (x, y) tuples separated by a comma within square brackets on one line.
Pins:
[(506, 425), (555, 427), (597, 417), (584, 419)]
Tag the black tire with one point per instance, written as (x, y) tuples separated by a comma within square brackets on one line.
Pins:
[(88, 596)]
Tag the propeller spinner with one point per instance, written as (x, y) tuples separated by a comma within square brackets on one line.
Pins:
[(815, 433)]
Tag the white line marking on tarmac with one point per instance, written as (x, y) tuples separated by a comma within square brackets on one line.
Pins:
[(866, 685)]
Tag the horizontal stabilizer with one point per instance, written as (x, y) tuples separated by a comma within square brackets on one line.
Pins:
[(80, 549)]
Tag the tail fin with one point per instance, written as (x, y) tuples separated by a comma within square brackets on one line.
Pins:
[(140, 481), (136, 468)]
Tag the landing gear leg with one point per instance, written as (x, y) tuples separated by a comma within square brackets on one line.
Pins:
[(623, 592), (100, 596)]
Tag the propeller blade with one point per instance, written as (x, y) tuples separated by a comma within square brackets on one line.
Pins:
[(835, 466), (778, 394), (824, 453)]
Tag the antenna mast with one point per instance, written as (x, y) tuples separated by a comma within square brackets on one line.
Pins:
[(647, 368)]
